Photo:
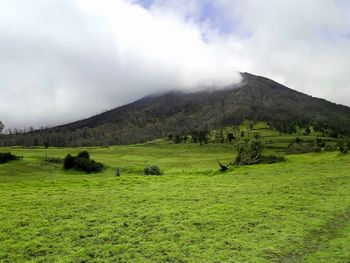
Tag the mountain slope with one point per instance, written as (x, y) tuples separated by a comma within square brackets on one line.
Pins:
[(255, 98)]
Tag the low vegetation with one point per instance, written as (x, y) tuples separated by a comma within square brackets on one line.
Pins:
[(299, 146), (344, 145), (82, 162), (6, 157), (56, 160), (152, 170), (293, 211), (251, 152)]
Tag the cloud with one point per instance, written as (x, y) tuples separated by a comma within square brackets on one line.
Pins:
[(63, 60), (303, 44), (67, 59)]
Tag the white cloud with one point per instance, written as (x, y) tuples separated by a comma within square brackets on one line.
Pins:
[(66, 59), (303, 44)]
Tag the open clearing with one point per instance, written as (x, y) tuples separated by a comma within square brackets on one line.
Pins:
[(295, 211)]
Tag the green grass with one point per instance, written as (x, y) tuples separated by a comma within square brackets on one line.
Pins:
[(295, 211)]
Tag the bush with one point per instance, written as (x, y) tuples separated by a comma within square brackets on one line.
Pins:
[(299, 146), (82, 162), (344, 146), (88, 166), (68, 162), (84, 154), (6, 157), (330, 148), (249, 152), (320, 143), (152, 170)]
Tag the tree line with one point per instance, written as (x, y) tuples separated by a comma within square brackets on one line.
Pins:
[(111, 135)]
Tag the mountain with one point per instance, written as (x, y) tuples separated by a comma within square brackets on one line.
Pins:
[(255, 98)]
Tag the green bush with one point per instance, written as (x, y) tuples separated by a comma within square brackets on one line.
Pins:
[(299, 146), (6, 157), (84, 154), (249, 152), (68, 162), (344, 145), (152, 170), (82, 162)]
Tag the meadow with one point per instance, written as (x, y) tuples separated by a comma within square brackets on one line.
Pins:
[(293, 211)]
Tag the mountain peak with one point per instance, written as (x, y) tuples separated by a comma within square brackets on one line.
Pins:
[(174, 112)]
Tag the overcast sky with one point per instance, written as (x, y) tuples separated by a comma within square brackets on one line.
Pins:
[(62, 60)]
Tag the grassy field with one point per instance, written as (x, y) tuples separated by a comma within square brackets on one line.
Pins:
[(294, 211)]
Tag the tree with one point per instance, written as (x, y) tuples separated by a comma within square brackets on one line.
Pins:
[(344, 145), (219, 136), (230, 137), (1, 126), (307, 131), (203, 136), (249, 152), (177, 139)]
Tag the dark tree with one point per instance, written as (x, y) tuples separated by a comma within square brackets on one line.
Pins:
[(203, 137), (1, 126), (194, 136), (177, 139), (307, 131), (230, 137), (344, 145)]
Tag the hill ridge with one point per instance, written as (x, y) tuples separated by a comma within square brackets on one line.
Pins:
[(177, 112)]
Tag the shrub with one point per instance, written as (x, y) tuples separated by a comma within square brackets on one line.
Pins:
[(82, 162), (88, 166), (6, 157), (152, 170), (299, 146), (330, 148), (344, 145), (320, 143), (68, 162), (249, 152), (84, 154)]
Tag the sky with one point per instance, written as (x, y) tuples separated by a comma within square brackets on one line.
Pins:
[(63, 60)]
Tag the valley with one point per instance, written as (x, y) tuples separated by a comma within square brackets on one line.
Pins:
[(292, 211)]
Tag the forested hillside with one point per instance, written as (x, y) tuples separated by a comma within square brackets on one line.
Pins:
[(178, 113)]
